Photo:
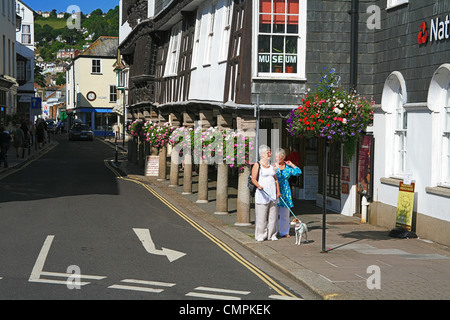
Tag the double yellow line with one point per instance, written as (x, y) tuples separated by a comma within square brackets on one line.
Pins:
[(260, 274)]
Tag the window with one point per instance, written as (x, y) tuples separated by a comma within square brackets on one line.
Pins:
[(395, 3), (26, 34), (174, 50), (198, 27), (210, 35), (112, 93), (21, 70), (281, 38), (96, 66), (226, 30), (400, 140), (446, 135)]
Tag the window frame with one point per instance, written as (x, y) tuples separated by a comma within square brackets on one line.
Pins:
[(173, 53), (112, 93), (301, 44), (99, 66)]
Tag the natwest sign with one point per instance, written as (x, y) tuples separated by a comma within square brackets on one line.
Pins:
[(439, 30)]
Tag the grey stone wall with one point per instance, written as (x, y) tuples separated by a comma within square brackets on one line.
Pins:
[(397, 47), (392, 47)]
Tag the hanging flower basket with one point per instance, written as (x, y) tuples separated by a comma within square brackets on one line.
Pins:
[(158, 135), (332, 113), (136, 129)]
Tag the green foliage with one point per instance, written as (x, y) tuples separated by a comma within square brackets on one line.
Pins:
[(47, 30)]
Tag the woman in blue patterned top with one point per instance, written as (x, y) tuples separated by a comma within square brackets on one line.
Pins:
[(284, 170)]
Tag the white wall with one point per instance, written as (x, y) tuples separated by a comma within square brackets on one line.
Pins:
[(208, 79)]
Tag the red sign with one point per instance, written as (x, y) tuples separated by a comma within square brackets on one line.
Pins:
[(423, 34)]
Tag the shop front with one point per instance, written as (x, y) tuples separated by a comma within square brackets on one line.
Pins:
[(100, 120)]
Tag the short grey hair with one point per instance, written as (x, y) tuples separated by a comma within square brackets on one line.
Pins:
[(263, 149), (280, 152)]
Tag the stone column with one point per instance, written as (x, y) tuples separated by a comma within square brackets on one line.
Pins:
[(174, 155), (162, 173), (243, 200), (222, 189), (206, 120), (247, 125), (224, 121), (188, 122)]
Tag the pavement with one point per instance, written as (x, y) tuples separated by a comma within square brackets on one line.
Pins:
[(30, 154), (361, 262)]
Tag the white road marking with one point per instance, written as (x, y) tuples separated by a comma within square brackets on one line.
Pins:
[(142, 282), (216, 296), (147, 242), (222, 290), (37, 271)]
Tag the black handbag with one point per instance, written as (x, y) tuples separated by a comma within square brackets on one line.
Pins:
[(251, 186)]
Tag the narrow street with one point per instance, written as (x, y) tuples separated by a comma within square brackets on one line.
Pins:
[(70, 213)]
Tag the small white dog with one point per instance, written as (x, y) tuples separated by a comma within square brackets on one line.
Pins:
[(300, 227)]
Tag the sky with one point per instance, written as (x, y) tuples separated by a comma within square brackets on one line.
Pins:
[(86, 6)]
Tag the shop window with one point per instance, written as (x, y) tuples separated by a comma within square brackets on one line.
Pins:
[(281, 38)]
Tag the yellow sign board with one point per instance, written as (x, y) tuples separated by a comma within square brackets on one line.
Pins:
[(405, 206)]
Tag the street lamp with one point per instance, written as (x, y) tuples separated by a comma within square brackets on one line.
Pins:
[(121, 70)]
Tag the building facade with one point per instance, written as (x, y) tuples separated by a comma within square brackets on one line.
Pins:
[(9, 21), (412, 118), (25, 59), (91, 89), (216, 60)]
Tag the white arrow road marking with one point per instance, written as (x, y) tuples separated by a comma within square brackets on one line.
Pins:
[(37, 271), (147, 242), (142, 282)]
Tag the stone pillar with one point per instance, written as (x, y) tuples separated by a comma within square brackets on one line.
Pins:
[(174, 155), (162, 164), (187, 174), (202, 182), (247, 125), (206, 120), (243, 200), (222, 189), (224, 121), (188, 122)]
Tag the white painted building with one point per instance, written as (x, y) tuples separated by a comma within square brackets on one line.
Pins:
[(414, 138), (8, 84), (25, 57)]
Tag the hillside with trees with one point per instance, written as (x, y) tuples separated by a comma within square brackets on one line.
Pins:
[(52, 34)]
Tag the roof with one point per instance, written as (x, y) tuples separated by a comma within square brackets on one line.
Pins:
[(103, 47)]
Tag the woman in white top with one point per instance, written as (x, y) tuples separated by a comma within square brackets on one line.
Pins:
[(265, 205)]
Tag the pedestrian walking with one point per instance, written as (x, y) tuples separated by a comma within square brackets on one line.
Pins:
[(116, 131), (284, 171), (265, 196), (40, 133), (18, 138), (5, 143), (27, 138)]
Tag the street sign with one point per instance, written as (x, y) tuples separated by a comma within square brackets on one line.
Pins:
[(36, 103)]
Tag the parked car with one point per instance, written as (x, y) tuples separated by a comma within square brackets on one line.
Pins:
[(81, 131), (52, 127)]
